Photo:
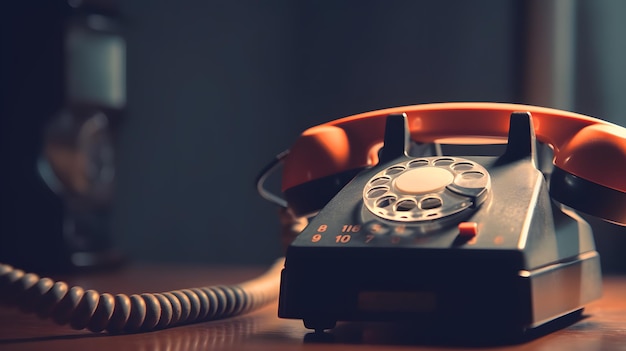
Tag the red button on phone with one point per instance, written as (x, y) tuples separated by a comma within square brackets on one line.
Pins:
[(468, 229)]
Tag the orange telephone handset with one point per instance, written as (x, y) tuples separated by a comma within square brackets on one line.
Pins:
[(589, 154)]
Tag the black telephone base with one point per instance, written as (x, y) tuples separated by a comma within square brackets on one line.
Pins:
[(481, 299), (487, 255), (440, 281)]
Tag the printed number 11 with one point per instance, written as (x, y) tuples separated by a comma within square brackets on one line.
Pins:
[(351, 228)]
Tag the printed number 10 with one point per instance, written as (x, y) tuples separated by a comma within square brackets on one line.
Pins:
[(342, 238)]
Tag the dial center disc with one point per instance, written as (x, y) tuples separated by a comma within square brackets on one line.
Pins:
[(423, 180)]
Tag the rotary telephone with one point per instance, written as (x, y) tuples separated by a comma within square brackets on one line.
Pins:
[(401, 231), (468, 244)]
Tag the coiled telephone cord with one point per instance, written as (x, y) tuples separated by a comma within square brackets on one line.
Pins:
[(138, 312)]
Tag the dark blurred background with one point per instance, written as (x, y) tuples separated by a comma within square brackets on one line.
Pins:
[(179, 104)]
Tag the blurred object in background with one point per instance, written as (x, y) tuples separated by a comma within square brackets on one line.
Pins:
[(77, 164), (64, 93)]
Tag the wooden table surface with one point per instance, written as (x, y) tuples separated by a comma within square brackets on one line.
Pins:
[(603, 326)]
